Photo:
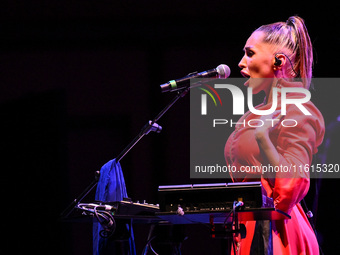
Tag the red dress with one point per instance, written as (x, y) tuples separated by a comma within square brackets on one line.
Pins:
[(296, 146)]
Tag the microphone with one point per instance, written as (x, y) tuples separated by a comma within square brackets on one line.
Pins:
[(220, 72), (239, 203)]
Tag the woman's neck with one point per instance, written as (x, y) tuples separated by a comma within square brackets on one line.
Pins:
[(269, 92)]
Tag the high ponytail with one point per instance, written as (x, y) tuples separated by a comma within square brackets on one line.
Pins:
[(291, 37)]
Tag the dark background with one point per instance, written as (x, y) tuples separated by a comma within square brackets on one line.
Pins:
[(80, 78)]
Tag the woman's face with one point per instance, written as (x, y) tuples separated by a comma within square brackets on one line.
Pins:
[(258, 63)]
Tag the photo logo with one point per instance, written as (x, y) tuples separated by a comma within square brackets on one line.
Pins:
[(204, 98), (238, 99), (236, 108)]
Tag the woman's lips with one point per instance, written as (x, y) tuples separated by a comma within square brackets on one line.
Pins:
[(245, 74)]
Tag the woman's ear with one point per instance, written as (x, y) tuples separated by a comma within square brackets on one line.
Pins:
[(279, 61)]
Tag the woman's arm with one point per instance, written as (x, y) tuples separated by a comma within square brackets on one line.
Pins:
[(267, 148), (292, 149)]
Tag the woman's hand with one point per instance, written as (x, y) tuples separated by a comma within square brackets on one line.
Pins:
[(270, 122), (267, 148)]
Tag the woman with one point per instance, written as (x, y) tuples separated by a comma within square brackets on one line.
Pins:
[(275, 54)]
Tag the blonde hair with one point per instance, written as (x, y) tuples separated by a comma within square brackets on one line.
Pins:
[(292, 36)]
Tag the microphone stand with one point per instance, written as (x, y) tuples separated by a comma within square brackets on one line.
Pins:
[(151, 125)]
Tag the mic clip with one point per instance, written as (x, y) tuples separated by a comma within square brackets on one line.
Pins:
[(154, 127), (193, 73)]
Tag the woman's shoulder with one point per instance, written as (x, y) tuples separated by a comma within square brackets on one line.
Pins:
[(311, 124), (305, 112)]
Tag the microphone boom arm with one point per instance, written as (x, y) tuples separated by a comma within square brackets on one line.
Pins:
[(152, 125)]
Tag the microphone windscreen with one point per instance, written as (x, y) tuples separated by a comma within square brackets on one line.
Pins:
[(223, 71)]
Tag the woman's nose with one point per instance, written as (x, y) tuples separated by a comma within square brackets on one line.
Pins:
[(242, 63)]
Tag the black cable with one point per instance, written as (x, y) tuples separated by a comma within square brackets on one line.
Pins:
[(291, 64), (233, 211), (105, 219), (226, 218), (109, 223), (148, 244), (234, 223), (234, 247)]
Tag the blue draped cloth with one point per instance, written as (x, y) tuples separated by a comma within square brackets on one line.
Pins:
[(111, 187)]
